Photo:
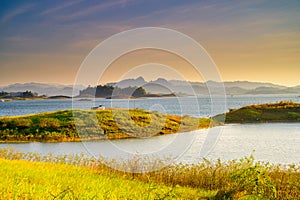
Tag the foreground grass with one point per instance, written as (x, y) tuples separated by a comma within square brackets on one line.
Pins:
[(107, 124), (76, 177), (33, 180), (284, 111)]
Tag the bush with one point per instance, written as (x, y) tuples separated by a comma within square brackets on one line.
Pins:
[(49, 123), (22, 123)]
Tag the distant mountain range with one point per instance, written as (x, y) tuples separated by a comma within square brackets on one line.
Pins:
[(163, 86), (43, 88)]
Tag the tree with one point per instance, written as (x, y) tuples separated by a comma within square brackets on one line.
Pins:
[(27, 94), (139, 92), (108, 91)]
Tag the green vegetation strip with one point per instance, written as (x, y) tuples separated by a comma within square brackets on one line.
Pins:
[(285, 111), (77, 177), (102, 124)]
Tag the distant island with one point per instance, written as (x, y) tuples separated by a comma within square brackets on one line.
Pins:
[(284, 111), (106, 91), (111, 92), (27, 95)]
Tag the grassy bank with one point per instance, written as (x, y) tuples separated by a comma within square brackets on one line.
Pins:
[(105, 124), (76, 177), (285, 111)]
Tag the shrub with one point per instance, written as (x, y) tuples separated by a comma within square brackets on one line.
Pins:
[(22, 123), (49, 123)]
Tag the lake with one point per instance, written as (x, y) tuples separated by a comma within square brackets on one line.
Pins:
[(273, 142), (176, 106), (276, 143)]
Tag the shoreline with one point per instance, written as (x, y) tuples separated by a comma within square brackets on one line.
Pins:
[(59, 126), (78, 140)]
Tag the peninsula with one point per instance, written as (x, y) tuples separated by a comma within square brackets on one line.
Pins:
[(284, 111), (59, 126)]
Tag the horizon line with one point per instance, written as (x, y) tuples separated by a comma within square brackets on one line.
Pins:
[(191, 81)]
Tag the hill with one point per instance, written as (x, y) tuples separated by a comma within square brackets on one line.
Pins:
[(44, 89)]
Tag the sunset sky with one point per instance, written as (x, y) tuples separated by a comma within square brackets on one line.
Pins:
[(46, 41)]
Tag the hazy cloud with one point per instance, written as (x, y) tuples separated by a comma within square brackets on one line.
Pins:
[(98, 8), (60, 7), (18, 11)]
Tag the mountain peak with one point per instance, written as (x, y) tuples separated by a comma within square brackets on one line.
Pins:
[(140, 79), (161, 80)]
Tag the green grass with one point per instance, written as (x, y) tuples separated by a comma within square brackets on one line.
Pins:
[(21, 179), (109, 124), (76, 177), (285, 111)]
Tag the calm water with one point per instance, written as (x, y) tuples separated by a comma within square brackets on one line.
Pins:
[(200, 106), (274, 142)]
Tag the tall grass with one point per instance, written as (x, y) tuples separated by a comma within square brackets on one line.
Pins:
[(236, 179), (33, 180)]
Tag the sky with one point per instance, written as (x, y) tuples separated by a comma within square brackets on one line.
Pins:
[(47, 41)]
